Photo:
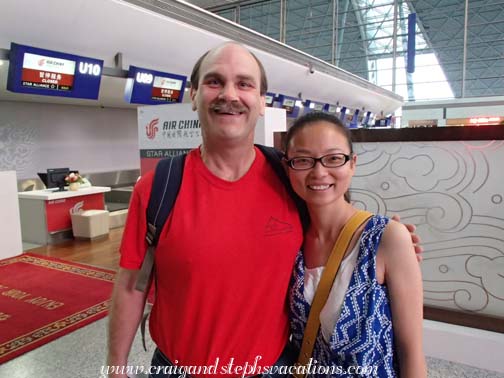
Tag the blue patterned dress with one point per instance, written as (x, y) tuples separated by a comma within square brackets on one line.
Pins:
[(363, 334)]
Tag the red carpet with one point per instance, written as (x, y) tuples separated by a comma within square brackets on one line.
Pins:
[(44, 298)]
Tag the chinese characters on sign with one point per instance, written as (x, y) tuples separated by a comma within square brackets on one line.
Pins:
[(166, 89), (48, 73)]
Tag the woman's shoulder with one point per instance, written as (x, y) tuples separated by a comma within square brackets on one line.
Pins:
[(395, 240)]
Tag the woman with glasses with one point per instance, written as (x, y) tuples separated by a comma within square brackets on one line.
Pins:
[(371, 322)]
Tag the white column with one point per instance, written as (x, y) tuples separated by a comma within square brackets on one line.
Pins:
[(10, 225), (274, 120)]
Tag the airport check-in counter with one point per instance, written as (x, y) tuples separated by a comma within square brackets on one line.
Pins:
[(46, 214)]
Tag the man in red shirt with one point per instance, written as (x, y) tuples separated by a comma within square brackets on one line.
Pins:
[(226, 253)]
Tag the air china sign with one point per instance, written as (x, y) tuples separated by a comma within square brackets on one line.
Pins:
[(166, 131), (173, 126)]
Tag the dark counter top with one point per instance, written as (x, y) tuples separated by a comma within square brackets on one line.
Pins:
[(417, 134), (429, 134)]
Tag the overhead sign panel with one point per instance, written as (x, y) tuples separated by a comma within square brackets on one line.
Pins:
[(151, 87), (289, 104), (51, 73), (270, 99)]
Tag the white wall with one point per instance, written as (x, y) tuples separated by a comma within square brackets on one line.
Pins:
[(422, 114), (456, 108), (10, 231), (468, 346), (35, 136), (477, 111)]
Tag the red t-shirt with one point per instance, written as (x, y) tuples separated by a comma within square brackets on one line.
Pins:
[(223, 265)]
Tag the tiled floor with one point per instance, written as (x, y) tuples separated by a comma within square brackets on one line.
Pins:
[(446, 369), (82, 353)]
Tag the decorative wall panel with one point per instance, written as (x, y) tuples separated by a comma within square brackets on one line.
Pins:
[(453, 192)]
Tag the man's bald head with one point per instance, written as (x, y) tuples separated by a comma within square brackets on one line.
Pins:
[(195, 75)]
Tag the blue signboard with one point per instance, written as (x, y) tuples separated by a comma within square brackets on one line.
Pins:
[(355, 120), (332, 109), (342, 115), (289, 104), (383, 122), (151, 87), (312, 106), (365, 122), (51, 73), (270, 99)]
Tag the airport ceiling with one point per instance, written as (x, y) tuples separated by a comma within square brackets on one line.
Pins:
[(440, 27), (443, 23), (168, 36)]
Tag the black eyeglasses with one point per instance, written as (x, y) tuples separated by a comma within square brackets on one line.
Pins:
[(301, 163)]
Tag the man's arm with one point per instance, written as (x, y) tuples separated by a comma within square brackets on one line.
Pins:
[(415, 239), (125, 315)]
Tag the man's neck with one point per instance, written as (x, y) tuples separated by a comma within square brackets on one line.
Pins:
[(229, 163)]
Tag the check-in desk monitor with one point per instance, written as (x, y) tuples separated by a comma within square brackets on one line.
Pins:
[(56, 178)]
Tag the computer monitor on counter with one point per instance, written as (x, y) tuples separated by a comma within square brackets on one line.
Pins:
[(56, 178)]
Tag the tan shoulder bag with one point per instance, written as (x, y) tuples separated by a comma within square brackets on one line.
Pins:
[(324, 287)]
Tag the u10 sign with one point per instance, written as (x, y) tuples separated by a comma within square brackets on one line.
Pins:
[(51, 73)]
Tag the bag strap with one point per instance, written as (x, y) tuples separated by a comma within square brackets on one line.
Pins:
[(275, 157), (165, 188), (325, 285)]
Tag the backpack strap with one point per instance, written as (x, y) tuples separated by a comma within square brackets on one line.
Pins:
[(165, 188), (275, 158)]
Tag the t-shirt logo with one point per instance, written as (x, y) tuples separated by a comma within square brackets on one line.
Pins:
[(276, 227)]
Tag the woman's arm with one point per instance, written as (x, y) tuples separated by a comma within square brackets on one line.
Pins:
[(404, 281)]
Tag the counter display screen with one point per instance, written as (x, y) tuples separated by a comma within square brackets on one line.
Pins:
[(45, 72), (151, 87), (166, 89), (269, 99), (288, 104), (332, 109), (51, 73)]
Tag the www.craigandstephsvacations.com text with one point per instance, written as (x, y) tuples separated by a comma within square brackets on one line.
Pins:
[(246, 370)]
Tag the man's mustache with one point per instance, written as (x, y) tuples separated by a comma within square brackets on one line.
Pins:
[(228, 107)]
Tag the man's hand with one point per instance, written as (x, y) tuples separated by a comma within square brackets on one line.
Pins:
[(414, 238)]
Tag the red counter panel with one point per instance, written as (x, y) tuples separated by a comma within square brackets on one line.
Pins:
[(58, 211)]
